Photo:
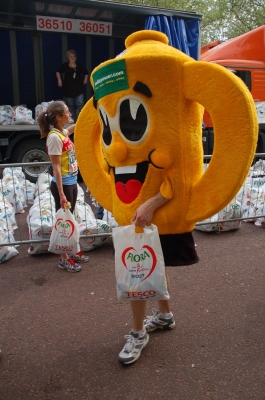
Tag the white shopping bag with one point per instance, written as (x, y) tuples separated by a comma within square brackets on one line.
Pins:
[(65, 234), (139, 264)]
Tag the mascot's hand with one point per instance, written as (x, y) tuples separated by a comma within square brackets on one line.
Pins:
[(144, 214)]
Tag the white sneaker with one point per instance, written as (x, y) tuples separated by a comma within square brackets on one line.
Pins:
[(155, 321), (133, 347)]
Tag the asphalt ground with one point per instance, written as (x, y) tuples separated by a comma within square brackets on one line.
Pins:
[(61, 332)]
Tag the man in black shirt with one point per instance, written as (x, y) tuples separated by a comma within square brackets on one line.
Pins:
[(75, 76)]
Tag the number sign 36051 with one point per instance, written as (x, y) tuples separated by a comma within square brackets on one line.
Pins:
[(53, 24)]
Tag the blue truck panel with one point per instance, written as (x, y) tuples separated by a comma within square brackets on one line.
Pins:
[(6, 92)]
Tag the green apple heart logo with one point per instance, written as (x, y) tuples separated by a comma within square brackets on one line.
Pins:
[(137, 259), (65, 225)]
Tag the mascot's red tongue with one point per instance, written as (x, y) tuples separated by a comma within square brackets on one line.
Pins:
[(128, 192)]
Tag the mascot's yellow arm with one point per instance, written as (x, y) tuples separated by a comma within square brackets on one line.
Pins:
[(235, 122)]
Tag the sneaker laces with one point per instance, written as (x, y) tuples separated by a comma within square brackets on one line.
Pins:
[(129, 344), (150, 318)]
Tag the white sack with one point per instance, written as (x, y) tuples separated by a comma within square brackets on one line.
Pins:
[(6, 115), (93, 226), (22, 116)]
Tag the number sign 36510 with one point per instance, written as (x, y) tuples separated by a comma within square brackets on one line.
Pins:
[(53, 24)]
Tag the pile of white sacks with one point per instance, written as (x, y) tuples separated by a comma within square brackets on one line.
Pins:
[(17, 115), (248, 203), (21, 115), (15, 193)]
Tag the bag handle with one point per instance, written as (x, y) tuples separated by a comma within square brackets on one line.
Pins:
[(139, 229)]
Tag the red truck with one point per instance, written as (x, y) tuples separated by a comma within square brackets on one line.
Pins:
[(245, 57)]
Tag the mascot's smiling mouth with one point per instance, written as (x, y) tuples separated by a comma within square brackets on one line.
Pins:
[(130, 179)]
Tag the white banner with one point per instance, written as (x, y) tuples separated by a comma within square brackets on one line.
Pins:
[(67, 25)]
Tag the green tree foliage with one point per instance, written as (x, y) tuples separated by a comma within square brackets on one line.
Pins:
[(222, 19)]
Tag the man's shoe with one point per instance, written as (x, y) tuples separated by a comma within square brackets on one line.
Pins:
[(133, 347), (80, 257), (69, 265), (155, 321)]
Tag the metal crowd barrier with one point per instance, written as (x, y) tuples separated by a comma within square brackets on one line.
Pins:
[(43, 168)]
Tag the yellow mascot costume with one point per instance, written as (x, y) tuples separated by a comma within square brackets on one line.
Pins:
[(141, 136), (142, 133)]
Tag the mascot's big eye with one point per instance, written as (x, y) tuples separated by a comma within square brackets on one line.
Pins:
[(106, 134), (133, 119)]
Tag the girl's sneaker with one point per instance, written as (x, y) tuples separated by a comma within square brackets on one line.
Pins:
[(80, 257), (69, 264)]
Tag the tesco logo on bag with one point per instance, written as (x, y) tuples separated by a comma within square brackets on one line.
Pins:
[(141, 295), (63, 248), (141, 264)]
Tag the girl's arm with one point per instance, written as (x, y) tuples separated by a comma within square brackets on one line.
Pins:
[(70, 129), (56, 165)]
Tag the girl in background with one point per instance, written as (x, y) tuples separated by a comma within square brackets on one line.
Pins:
[(60, 149)]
